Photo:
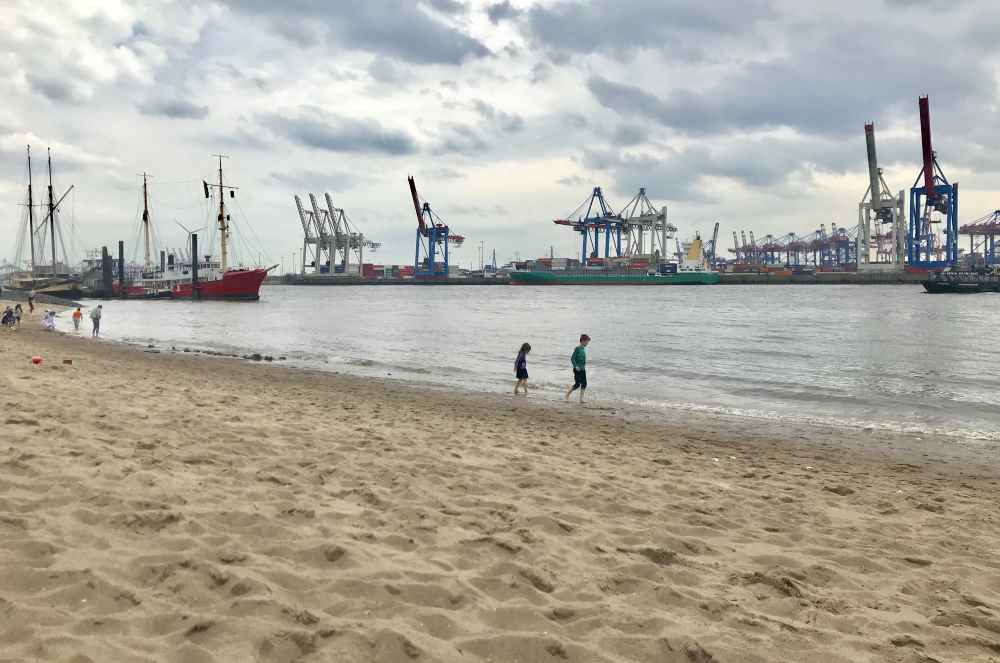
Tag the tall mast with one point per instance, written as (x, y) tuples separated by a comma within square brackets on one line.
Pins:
[(31, 216), (223, 226), (145, 223), (52, 215)]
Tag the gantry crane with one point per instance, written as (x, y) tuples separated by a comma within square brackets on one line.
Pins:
[(639, 217), (433, 238), (937, 198), (329, 239), (881, 216), (593, 217)]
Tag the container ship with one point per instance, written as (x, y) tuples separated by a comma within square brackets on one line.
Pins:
[(201, 278), (693, 269)]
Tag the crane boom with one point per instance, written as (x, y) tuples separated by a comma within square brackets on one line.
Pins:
[(925, 145), (416, 205), (873, 172), (302, 217), (715, 239)]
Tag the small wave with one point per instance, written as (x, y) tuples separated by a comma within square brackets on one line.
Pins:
[(828, 422)]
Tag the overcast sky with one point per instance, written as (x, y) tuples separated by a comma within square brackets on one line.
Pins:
[(750, 113)]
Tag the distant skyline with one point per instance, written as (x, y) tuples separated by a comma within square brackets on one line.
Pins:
[(507, 113)]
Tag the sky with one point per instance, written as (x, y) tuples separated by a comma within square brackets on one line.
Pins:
[(507, 113)]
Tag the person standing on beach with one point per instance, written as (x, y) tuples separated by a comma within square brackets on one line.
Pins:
[(31, 301), (77, 315), (521, 369), (18, 312), (579, 361), (95, 317)]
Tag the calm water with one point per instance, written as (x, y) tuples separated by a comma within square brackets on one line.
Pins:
[(888, 358)]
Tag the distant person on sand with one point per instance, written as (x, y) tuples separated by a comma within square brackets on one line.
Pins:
[(8, 317), (579, 360), (49, 320), (18, 312), (95, 317), (521, 369), (31, 301), (77, 315)]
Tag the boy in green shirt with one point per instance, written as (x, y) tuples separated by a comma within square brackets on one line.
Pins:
[(579, 361)]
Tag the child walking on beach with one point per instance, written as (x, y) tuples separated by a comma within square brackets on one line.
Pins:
[(521, 369), (95, 317), (579, 361), (77, 314)]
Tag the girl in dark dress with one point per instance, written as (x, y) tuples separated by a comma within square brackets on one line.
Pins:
[(521, 369)]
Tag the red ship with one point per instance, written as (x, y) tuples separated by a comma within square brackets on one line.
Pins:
[(208, 278)]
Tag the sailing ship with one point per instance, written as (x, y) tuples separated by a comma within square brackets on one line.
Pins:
[(44, 280), (202, 277)]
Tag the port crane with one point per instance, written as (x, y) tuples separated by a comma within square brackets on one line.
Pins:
[(881, 216), (936, 197), (433, 238), (592, 218), (987, 228), (639, 217), (710, 247), (330, 238)]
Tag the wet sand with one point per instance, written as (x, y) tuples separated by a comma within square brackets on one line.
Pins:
[(163, 507)]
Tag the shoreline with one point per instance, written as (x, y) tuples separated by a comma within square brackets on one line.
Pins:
[(858, 436), (163, 507)]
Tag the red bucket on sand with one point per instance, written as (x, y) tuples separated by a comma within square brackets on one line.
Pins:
[(36, 360)]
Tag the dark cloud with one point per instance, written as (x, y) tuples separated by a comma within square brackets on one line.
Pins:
[(448, 6), (504, 121), (612, 26), (461, 139), (494, 127), (396, 29), (629, 134), (829, 78), (761, 163), (501, 11), (316, 128), (386, 70), (55, 89), (173, 108)]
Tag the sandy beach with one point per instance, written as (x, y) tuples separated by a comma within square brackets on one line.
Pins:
[(164, 507)]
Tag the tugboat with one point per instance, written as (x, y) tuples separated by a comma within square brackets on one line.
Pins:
[(963, 282), (693, 269), (203, 278)]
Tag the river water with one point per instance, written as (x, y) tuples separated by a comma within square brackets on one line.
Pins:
[(861, 357)]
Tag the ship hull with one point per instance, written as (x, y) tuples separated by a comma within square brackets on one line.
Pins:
[(938, 287), (612, 278), (237, 285), (961, 283)]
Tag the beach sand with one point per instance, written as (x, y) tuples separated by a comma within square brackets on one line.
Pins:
[(164, 507)]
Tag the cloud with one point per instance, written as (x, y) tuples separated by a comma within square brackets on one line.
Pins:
[(316, 128), (614, 27), (506, 122), (460, 139), (448, 6), (173, 108), (501, 11), (386, 27), (386, 70), (304, 182), (58, 89)]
